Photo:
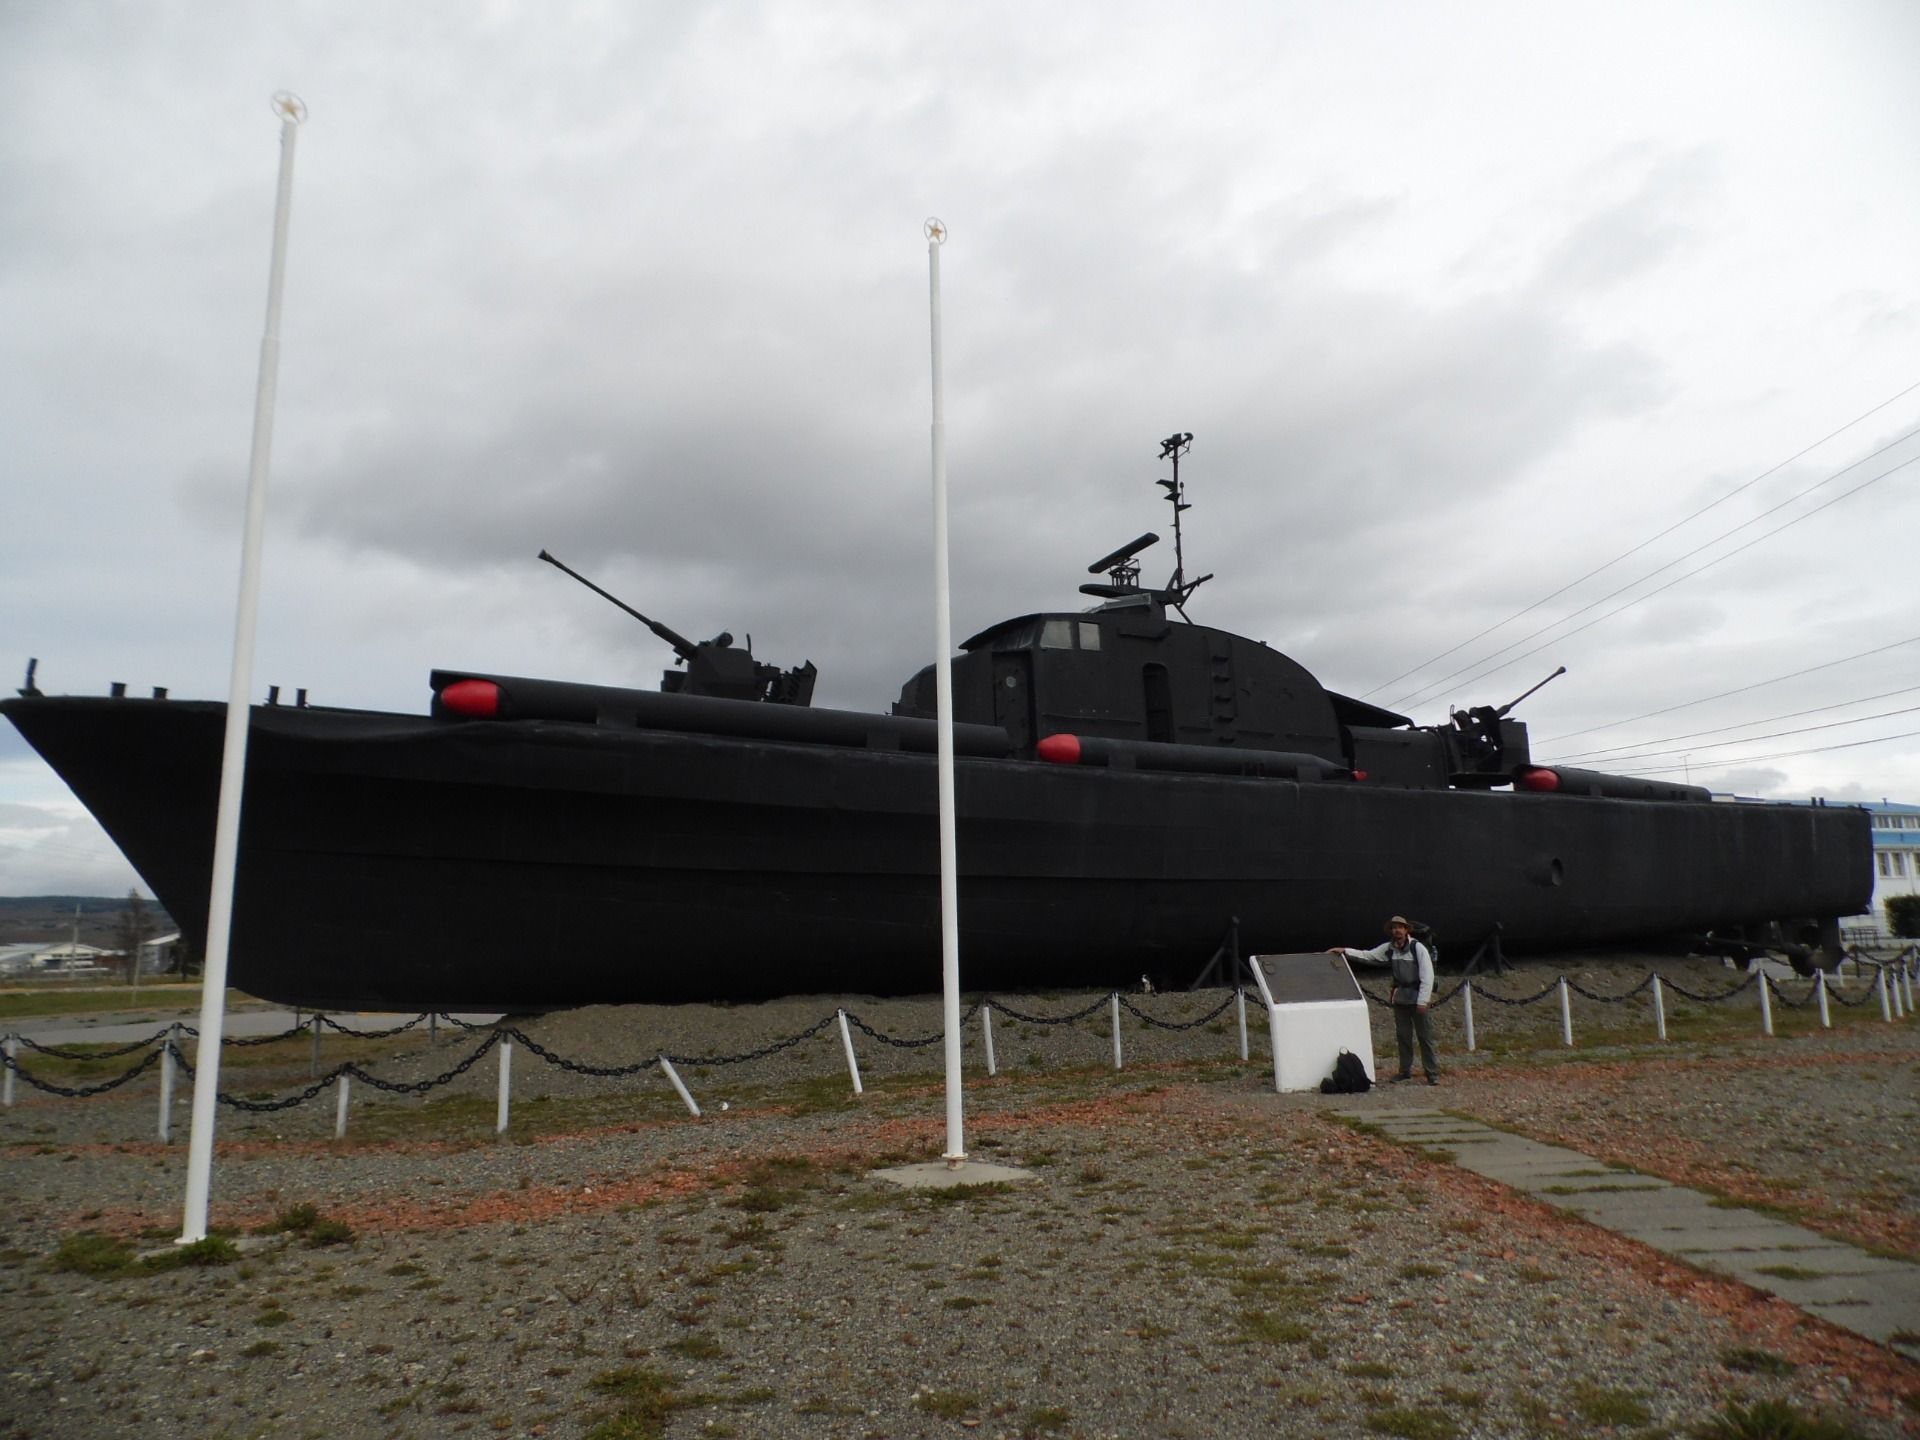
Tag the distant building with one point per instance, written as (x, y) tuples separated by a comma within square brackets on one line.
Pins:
[(1896, 856)]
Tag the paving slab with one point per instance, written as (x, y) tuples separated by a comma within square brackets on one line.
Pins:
[(1872, 1295)]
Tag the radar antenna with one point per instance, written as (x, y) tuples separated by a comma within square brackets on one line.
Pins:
[(1179, 587)]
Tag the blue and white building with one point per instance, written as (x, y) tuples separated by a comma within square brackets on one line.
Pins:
[(1896, 857)]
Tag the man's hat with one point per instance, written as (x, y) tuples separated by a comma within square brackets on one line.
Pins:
[(1399, 920)]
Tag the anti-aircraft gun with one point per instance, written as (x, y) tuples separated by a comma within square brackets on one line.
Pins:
[(715, 667)]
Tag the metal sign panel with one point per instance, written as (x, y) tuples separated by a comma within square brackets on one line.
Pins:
[(1305, 978)]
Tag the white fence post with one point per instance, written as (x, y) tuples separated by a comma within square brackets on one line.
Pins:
[(1899, 992), (1820, 989), (433, 1027), (846, 1040), (340, 1111), (986, 1036), (1114, 1001), (166, 1085), (1466, 1011), (1566, 1014), (313, 1070), (1240, 1006), (1659, 1010), (6, 1086), (1766, 1002), (674, 1075), (506, 1086), (1880, 984), (1906, 969)]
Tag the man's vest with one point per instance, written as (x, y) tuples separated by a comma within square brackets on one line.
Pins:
[(1406, 973)]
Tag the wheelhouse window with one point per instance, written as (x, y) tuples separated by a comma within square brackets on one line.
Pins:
[(1062, 634)]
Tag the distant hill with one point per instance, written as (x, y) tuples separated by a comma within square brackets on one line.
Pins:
[(27, 918)]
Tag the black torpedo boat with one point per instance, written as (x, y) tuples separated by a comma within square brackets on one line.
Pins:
[(1131, 788)]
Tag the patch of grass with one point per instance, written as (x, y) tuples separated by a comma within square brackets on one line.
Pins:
[(1420, 1270), (1368, 1370), (90, 1253), (963, 1302), (292, 1220), (272, 1316), (1045, 1420), (1772, 1420), (1600, 1406), (1749, 1361), (1791, 1272), (259, 1349), (697, 1346), (1263, 1327), (947, 1404), (1412, 1424), (1462, 1399), (642, 1401)]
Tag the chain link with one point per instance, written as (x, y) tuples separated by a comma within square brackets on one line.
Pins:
[(59, 1053), (765, 1050), (1621, 998), (333, 1024), (79, 1091), (1158, 1024), (1678, 989), (1006, 1009), (510, 1033), (934, 1039)]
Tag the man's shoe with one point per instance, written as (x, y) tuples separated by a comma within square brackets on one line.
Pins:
[(1395, 1080), (1433, 1079)]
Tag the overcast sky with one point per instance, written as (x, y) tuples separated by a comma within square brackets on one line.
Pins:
[(1461, 302)]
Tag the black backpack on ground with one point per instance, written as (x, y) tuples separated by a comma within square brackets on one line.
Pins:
[(1349, 1076)]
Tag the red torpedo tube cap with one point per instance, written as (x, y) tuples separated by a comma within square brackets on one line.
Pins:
[(476, 699), (1060, 749), (1538, 778)]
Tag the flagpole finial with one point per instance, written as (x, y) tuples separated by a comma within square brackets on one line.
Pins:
[(935, 230), (289, 107)]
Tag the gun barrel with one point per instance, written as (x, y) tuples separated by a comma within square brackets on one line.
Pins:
[(682, 646)]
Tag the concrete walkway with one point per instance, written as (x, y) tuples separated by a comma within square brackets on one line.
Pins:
[(1842, 1284)]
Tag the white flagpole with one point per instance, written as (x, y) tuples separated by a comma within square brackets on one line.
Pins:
[(936, 234), (233, 761)]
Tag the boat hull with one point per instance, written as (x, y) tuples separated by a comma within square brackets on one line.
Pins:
[(409, 863)]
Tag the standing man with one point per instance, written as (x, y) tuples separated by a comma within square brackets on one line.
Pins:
[(1412, 969)]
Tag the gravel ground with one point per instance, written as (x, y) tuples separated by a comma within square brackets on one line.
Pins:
[(1193, 1256)]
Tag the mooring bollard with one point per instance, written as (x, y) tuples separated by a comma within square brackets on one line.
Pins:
[(674, 1076), (846, 1040), (986, 1036), (1566, 1014), (340, 1112), (313, 1070), (1766, 1002), (166, 1085), (506, 1086), (1820, 989), (1240, 1007), (1659, 1010), (12, 1048), (1466, 999), (1115, 1005)]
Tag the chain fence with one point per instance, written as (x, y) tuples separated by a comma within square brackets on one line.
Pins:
[(1891, 988)]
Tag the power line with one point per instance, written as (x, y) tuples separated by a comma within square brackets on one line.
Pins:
[(1781, 755), (1723, 729), (1741, 690), (1772, 735), (1661, 589), (1738, 489)]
